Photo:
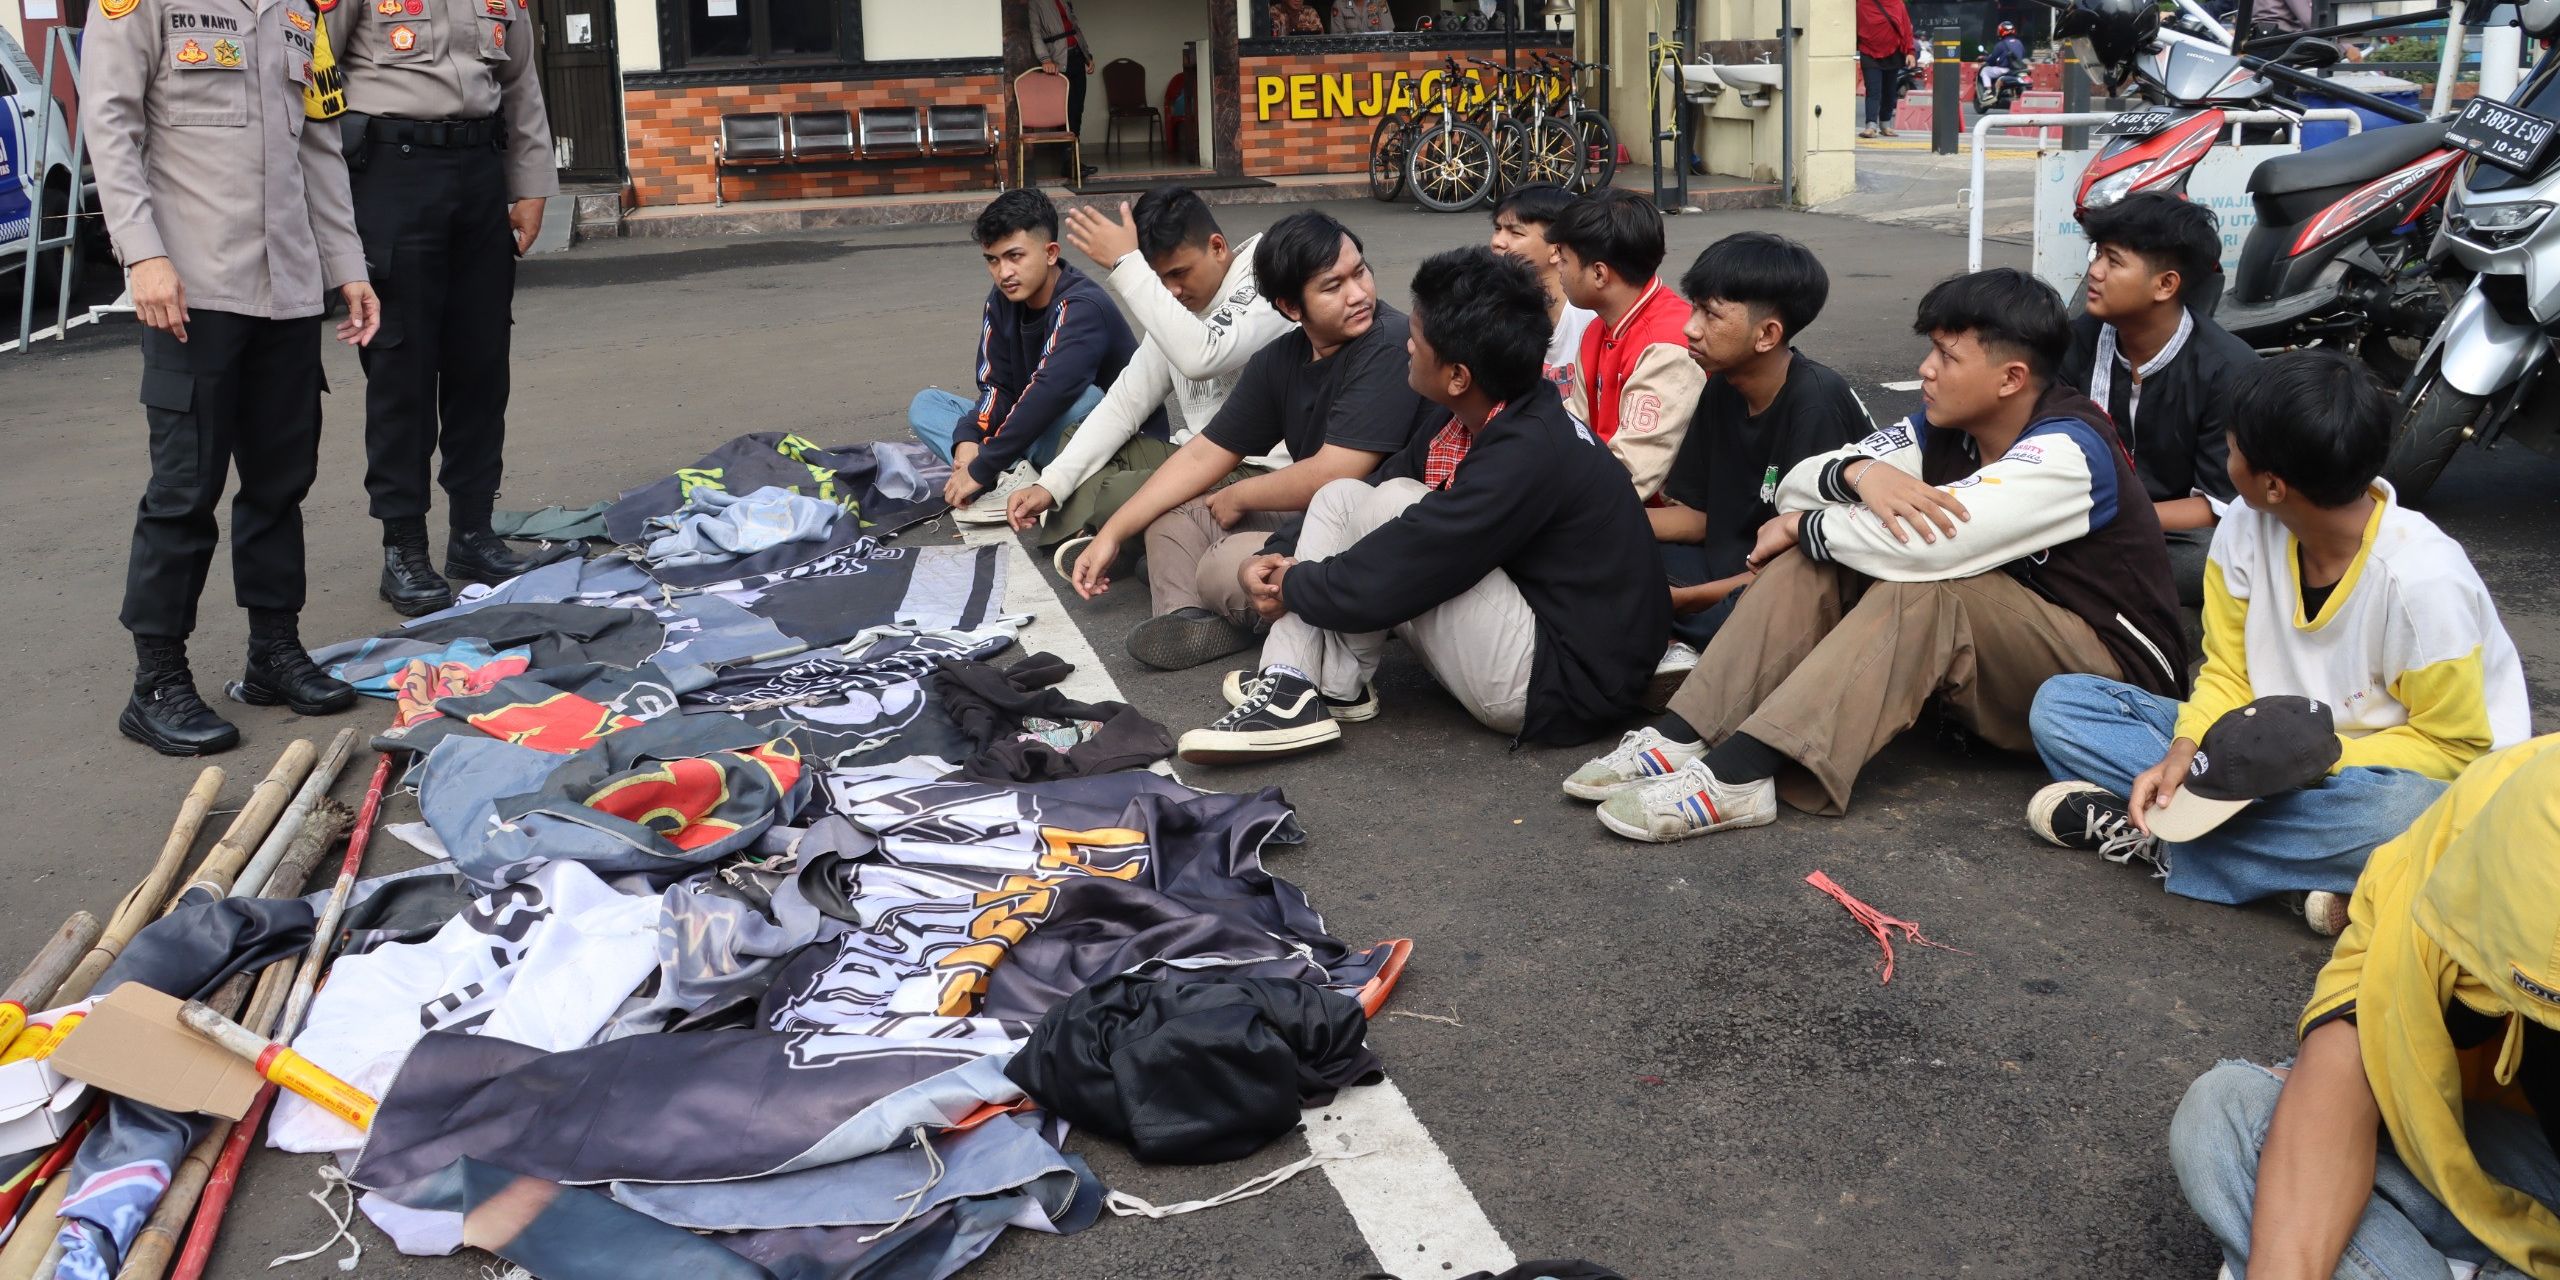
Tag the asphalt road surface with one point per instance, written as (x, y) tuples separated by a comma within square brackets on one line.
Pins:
[(1676, 1060)]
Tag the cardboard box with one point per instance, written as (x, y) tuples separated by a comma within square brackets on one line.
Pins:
[(132, 1044), (37, 1105)]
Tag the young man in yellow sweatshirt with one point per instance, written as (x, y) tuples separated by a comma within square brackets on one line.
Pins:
[(2325, 588), (2413, 1134)]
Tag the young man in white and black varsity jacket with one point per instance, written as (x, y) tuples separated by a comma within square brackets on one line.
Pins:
[(1502, 546), (1964, 555)]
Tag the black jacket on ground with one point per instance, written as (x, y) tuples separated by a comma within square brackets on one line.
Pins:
[(1538, 498)]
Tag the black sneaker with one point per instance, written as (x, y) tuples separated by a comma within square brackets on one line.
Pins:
[(1239, 685), (2085, 816), (477, 555), (1185, 638), (168, 716), (284, 673), (1282, 714), (410, 583)]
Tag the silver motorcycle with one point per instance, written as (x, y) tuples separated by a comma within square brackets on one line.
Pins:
[(2486, 374)]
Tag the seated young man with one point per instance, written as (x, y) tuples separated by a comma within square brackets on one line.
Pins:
[(1633, 383), (1959, 558), (1501, 547), (1199, 316), (2166, 374), (1049, 344), (1766, 407), (2414, 1134), (1520, 225), (1333, 391), (2320, 586)]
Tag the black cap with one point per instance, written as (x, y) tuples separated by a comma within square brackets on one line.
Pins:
[(2269, 747)]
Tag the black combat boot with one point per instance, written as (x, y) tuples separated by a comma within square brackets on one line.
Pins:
[(409, 579), (471, 552), (280, 670), (165, 713)]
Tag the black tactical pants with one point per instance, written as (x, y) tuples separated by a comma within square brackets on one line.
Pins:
[(239, 389)]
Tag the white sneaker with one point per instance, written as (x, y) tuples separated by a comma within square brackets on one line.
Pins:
[(1641, 756), (1690, 802), (988, 507), (1669, 674)]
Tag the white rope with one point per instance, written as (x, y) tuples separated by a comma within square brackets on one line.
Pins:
[(933, 1178), (488, 1272), (332, 1177), (1129, 1206)]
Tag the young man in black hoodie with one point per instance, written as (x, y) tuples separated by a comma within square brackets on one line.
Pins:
[(1502, 547), (2164, 373), (1049, 343), (1963, 555)]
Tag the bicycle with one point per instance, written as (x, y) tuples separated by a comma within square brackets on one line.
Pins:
[(1450, 165), (1596, 140), (1550, 146), (1389, 145)]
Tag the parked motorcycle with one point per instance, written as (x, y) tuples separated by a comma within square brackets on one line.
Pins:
[(2340, 253), (2486, 375)]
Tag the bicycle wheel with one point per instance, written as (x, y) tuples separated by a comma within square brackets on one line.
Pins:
[(1388, 144), (1510, 156), (1552, 154), (1450, 167), (1597, 149)]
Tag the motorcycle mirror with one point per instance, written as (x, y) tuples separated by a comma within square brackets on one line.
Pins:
[(2311, 53)]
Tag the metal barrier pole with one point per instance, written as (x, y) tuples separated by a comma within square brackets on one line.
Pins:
[(58, 50), (2075, 101), (1946, 98)]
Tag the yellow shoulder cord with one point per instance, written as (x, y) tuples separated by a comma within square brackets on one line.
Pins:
[(325, 97)]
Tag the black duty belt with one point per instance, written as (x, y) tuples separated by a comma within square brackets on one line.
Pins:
[(449, 134)]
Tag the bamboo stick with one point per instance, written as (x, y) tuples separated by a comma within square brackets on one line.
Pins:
[(31, 1248), (253, 877), (34, 986), (142, 904), (222, 863), (308, 980)]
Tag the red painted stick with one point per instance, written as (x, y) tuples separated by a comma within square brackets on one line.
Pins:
[(235, 1149)]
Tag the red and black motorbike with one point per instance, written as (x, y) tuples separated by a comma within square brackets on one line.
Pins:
[(2339, 255)]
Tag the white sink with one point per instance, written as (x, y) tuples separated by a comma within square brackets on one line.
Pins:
[(1750, 76), (1698, 81)]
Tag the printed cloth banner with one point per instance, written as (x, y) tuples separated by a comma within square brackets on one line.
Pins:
[(847, 476)]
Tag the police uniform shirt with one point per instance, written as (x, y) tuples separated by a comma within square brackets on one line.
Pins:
[(193, 110), (449, 60)]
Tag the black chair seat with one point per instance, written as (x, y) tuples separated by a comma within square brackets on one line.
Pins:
[(752, 139), (2352, 159)]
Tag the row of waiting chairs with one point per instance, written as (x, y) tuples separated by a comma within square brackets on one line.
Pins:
[(872, 133)]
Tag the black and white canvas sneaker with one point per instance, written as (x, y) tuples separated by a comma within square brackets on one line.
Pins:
[(1282, 713), (2085, 816)]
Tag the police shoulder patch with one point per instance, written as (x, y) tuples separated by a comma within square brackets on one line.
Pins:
[(118, 8)]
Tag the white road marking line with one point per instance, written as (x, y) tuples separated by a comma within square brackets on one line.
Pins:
[(1407, 1199), (1912, 385)]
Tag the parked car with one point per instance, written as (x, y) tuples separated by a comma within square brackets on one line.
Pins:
[(34, 187)]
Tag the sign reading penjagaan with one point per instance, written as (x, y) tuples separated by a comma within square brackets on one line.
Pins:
[(1308, 96)]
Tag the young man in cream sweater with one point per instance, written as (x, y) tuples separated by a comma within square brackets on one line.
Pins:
[(1199, 316), (2322, 587)]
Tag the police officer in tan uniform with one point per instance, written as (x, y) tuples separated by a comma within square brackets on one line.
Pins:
[(449, 152), (229, 209)]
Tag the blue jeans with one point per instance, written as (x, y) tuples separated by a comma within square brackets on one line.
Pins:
[(935, 414), (2406, 1233), (2104, 731)]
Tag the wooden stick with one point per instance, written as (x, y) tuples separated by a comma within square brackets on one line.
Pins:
[(222, 864), (31, 1248), (34, 986), (253, 877), (324, 934), (142, 905)]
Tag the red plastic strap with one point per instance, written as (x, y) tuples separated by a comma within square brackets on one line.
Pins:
[(1876, 922)]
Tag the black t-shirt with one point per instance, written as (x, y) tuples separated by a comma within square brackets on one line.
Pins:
[(1357, 397), (1731, 461)]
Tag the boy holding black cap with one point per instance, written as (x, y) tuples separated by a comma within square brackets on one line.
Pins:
[(2331, 612)]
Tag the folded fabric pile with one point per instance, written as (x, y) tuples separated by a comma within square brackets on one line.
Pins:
[(758, 878)]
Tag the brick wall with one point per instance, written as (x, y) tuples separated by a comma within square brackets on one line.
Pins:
[(671, 132), (1312, 112)]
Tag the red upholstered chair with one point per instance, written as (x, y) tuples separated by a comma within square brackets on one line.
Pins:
[(1040, 103), (1124, 88), (1180, 117)]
